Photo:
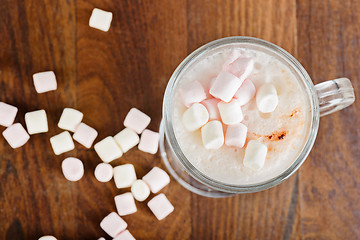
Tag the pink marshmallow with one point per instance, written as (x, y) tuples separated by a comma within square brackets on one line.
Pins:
[(235, 54), (236, 135), (125, 204), (7, 114), (207, 86), (85, 135), (16, 135), (73, 169), (104, 172), (45, 81), (157, 179), (149, 141), (225, 86), (125, 235), (241, 67), (113, 224), (246, 92), (160, 206), (136, 120), (211, 106), (192, 92)]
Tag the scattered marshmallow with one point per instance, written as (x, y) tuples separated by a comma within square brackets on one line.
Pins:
[(125, 235), (104, 172), (7, 114), (127, 139), (70, 119), (73, 169), (101, 238), (255, 155), (85, 135), (48, 237), (160, 206), (267, 98), (140, 190), (16, 135), (211, 106), (225, 86), (236, 135), (242, 67), (124, 175), (192, 92), (230, 112), (195, 117), (212, 135), (113, 224), (157, 179), (100, 19), (36, 122), (45, 81), (136, 120), (107, 149), (246, 92), (62, 143), (125, 204), (149, 141)]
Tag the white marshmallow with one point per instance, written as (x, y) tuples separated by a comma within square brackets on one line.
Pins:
[(47, 238), (125, 204), (140, 190), (212, 135), (207, 86), (100, 19), (127, 139), (124, 175), (73, 169), (160, 206), (255, 155), (62, 143), (225, 86), (246, 92), (195, 117), (267, 98), (107, 149), (36, 122), (149, 141), (242, 67), (85, 135), (136, 120), (125, 235), (234, 55), (7, 114), (230, 112), (45, 81), (113, 224), (70, 119), (211, 106), (236, 135), (104, 172), (16, 135), (157, 179), (101, 238), (192, 92)]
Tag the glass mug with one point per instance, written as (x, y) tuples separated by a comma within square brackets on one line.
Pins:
[(325, 98)]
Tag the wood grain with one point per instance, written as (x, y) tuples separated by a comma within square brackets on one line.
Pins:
[(105, 74)]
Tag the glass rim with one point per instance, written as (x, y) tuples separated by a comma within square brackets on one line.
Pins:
[(189, 167)]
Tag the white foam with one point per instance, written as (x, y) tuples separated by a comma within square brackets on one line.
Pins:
[(286, 122)]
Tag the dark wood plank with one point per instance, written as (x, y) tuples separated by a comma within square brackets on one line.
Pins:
[(328, 36)]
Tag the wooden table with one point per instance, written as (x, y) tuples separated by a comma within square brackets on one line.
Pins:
[(105, 74)]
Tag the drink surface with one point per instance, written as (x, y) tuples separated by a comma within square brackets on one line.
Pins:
[(284, 131)]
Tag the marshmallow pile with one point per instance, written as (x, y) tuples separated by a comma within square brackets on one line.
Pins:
[(125, 177), (210, 108), (108, 149)]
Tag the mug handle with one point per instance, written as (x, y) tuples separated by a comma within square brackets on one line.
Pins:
[(334, 95)]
